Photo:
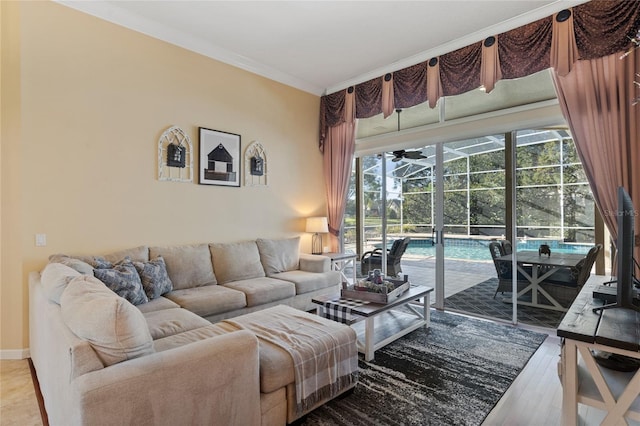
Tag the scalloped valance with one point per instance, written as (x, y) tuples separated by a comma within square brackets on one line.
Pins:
[(591, 30)]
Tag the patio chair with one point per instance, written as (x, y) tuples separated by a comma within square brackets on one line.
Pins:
[(504, 270), (373, 259), (565, 284), (507, 248)]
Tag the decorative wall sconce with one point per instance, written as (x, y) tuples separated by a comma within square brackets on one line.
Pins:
[(255, 167), (317, 225), (175, 159)]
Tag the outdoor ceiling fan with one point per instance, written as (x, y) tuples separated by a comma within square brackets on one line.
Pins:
[(412, 155), (401, 153)]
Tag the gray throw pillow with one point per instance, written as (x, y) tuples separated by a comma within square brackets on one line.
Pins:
[(154, 277), (124, 280)]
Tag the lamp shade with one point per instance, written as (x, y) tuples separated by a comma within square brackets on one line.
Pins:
[(317, 224)]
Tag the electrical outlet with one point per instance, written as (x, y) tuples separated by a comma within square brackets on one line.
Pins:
[(41, 240)]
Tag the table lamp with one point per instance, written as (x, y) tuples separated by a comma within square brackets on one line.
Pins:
[(317, 225)]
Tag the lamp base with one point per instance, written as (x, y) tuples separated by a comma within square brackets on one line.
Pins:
[(316, 244)]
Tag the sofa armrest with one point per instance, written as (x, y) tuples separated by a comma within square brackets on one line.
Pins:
[(314, 263), (215, 381)]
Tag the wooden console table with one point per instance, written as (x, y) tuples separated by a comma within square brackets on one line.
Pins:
[(583, 381)]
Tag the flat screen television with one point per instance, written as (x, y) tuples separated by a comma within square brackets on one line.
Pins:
[(625, 277)]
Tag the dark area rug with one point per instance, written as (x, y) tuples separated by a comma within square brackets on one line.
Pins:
[(479, 300), (450, 374)]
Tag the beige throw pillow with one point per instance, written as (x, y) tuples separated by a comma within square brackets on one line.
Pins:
[(236, 261), (279, 255), (115, 328), (187, 265), (72, 262), (54, 279)]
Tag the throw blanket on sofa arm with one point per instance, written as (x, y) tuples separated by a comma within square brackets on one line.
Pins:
[(324, 352)]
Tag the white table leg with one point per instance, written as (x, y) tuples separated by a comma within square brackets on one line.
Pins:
[(353, 264), (368, 339), (427, 309), (569, 364), (534, 282)]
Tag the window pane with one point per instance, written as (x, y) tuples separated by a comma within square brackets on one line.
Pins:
[(538, 206), (487, 161), (487, 180), (416, 208), (574, 174), (538, 176), (455, 182), (536, 155), (455, 208), (487, 207)]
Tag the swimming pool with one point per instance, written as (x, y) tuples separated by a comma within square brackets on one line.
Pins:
[(468, 249)]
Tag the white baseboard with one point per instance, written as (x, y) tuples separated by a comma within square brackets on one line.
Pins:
[(14, 354)]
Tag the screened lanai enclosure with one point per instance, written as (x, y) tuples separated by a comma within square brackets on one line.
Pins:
[(554, 201), (397, 196)]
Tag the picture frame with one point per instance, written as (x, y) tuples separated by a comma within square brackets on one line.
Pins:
[(219, 156)]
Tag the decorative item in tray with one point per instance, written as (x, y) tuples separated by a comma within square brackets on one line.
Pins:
[(376, 289)]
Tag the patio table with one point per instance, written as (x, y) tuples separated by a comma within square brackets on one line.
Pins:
[(543, 267)]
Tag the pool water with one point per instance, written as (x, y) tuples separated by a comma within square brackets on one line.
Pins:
[(455, 248)]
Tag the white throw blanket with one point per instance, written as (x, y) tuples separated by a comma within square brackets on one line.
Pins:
[(324, 352)]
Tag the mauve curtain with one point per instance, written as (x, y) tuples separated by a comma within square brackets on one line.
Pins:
[(338, 148), (596, 100)]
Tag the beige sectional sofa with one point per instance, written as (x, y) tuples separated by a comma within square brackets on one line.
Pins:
[(169, 359)]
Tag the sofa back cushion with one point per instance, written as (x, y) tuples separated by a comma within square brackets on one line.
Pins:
[(136, 254), (77, 264), (54, 279), (187, 265), (115, 328), (236, 261), (279, 255)]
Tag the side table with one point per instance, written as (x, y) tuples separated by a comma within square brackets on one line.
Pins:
[(340, 261)]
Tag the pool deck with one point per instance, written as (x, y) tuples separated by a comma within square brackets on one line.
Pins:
[(459, 274)]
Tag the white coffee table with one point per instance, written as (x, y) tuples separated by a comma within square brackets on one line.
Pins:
[(383, 323)]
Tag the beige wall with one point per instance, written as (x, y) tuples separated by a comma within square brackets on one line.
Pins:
[(83, 104)]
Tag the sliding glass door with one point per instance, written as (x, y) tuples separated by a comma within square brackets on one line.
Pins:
[(453, 199), (474, 215)]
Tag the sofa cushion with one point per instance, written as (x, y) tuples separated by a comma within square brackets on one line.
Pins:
[(124, 280), (194, 335), (136, 254), (306, 282), (276, 364), (154, 277), (187, 265), (92, 261), (168, 322), (116, 330), (263, 290), (72, 262), (157, 304), (236, 261), (279, 255), (54, 279), (208, 300)]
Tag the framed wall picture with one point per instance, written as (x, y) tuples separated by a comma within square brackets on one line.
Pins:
[(219, 158)]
